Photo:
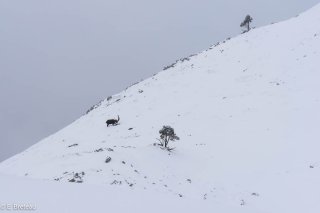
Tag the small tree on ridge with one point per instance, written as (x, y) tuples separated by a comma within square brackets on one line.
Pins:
[(246, 23)]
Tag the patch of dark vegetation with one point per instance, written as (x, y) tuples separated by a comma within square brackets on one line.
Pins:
[(242, 202), (179, 60), (108, 159), (116, 182), (98, 150), (205, 196), (135, 83), (169, 66), (130, 184), (77, 177), (94, 107)]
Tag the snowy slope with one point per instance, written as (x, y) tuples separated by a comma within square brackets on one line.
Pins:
[(51, 197), (246, 112)]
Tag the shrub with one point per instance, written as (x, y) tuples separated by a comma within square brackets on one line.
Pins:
[(167, 134), (246, 23)]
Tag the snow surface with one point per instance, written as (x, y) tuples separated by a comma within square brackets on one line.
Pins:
[(246, 112), (51, 197)]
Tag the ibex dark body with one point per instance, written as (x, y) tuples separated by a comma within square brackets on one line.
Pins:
[(113, 121)]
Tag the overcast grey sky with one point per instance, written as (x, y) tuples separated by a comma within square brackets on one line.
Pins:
[(57, 58)]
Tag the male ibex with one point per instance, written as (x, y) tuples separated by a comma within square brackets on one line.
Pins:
[(113, 121)]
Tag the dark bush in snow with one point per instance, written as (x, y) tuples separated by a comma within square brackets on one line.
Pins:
[(72, 145), (94, 107), (108, 159), (77, 177)]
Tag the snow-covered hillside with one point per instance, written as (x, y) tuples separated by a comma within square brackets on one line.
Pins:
[(246, 112), (51, 197)]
